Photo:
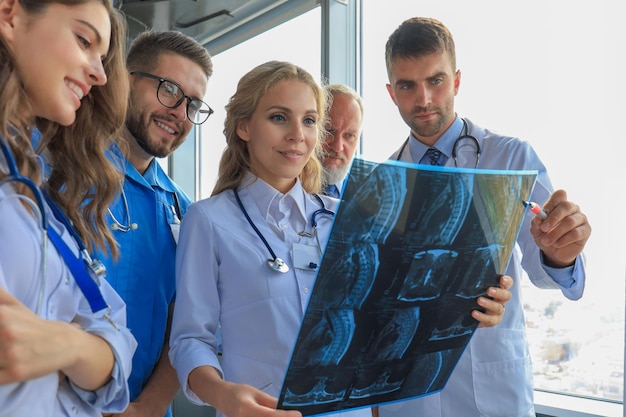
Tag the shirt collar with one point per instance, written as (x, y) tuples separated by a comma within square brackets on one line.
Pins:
[(149, 178), (153, 177), (444, 144), (264, 194)]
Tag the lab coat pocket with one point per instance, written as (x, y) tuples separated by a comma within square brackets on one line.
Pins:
[(266, 386), (263, 383), (502, 373)]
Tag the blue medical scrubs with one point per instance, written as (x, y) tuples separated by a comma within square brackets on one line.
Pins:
[(144, 272)]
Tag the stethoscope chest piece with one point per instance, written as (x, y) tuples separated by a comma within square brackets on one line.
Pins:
[(275, 263), (278, 265)]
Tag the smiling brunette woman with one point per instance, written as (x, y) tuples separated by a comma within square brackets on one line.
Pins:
[(64, 347)]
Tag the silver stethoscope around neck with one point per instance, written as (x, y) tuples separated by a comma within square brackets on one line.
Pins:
[(463, 136), (117, 224), (276, 263), (86, 271), (129, 225)]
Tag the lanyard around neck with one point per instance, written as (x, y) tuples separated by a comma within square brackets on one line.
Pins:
[(86, 283), (80, 266)]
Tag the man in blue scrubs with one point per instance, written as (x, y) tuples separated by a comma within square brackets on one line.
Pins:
[(168, 75)]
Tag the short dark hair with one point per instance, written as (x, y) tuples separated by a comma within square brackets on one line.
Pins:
[(417, 37), (147, 48)]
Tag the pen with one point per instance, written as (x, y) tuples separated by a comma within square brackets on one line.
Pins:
[(176, 208), (536, 209)]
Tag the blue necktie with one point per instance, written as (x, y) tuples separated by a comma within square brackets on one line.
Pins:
[(433, 157), (332, 191)]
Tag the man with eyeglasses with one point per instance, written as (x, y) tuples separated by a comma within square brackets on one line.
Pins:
[(168, 74)]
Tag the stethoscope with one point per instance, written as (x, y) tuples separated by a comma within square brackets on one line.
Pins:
[(125, 228), (118, 225), (462, 137), (86, 271), (276, 263)]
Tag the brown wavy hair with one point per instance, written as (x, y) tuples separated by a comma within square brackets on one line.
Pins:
[(235, 161), (84, 179)]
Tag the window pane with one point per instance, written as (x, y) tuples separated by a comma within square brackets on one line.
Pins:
[(296, 41)]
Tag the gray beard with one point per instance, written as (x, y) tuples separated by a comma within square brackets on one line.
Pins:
[(335, 175)]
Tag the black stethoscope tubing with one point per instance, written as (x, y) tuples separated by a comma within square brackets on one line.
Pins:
[(465, 135), (276, 263), (319, 211)]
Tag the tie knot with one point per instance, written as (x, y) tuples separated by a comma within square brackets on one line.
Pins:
[(332, 191), (434, 157)]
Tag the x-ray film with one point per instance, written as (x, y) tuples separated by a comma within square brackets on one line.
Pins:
[(411, 249)]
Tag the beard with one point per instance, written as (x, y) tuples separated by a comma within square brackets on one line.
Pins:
[(138, 125), (335, 175), (445, 114)]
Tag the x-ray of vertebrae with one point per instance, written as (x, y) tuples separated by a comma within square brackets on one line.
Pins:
[(411, 249)]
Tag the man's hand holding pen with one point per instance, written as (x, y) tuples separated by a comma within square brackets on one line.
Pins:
[(562, 235)]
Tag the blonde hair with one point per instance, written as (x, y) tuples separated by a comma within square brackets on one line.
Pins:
[(83, 179), (235, 161)]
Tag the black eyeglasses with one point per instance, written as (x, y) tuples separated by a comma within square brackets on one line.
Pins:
[(171, 95)]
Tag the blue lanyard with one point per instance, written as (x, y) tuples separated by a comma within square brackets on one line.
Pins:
[(79, 266), (87, 284)]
